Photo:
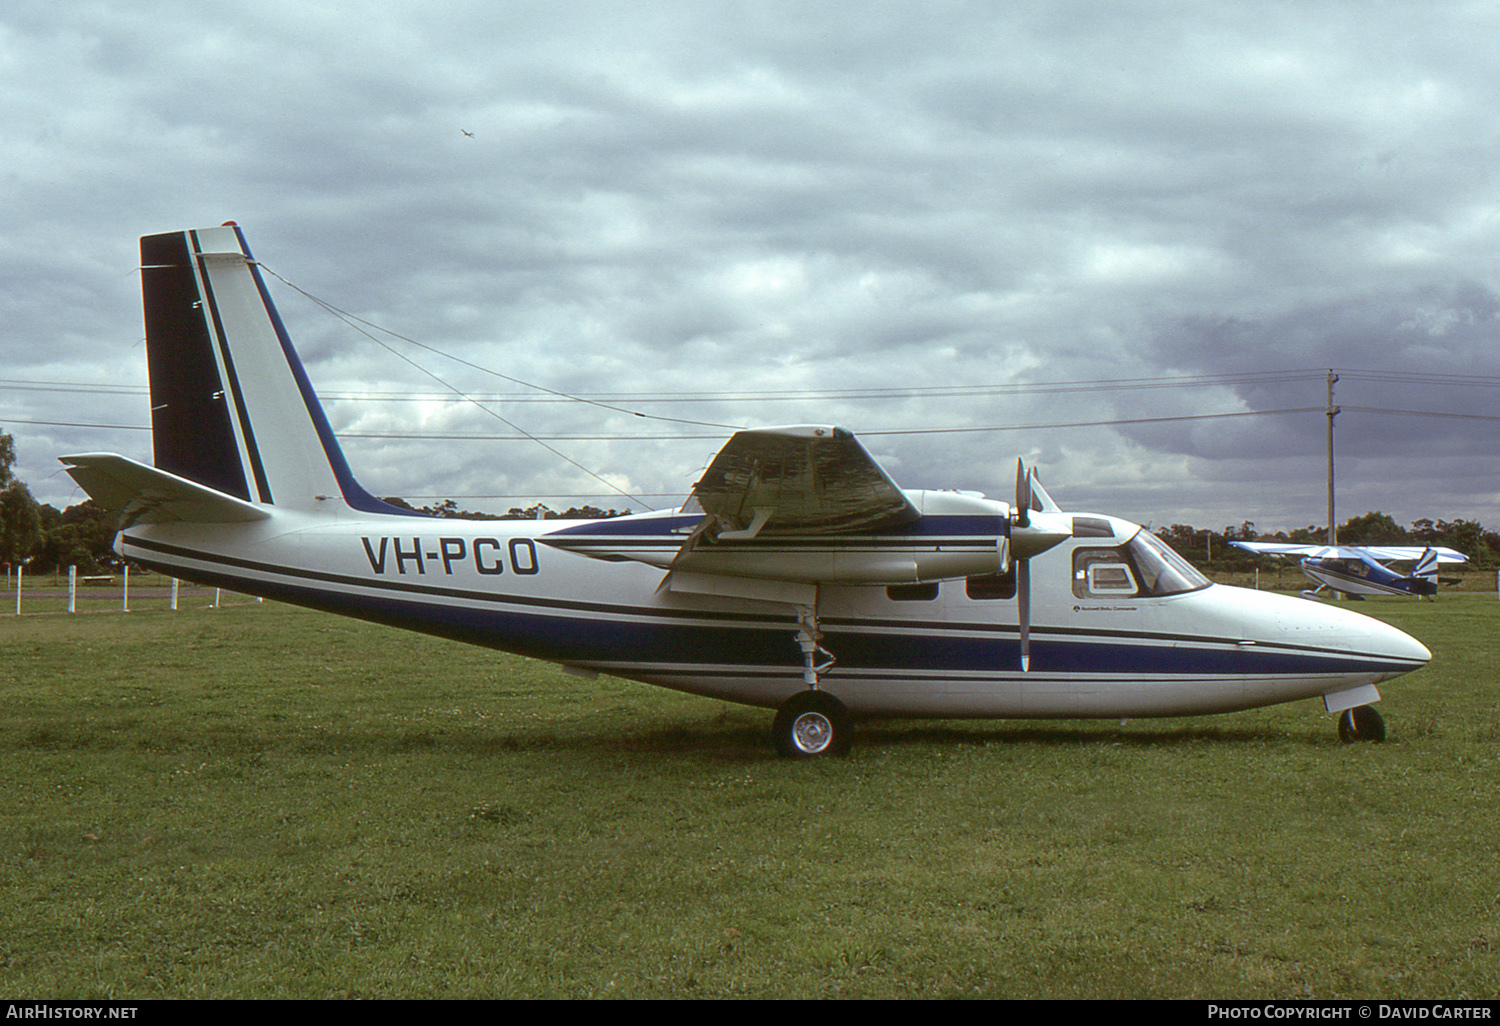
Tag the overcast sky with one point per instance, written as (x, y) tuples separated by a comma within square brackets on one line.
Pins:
[(1073, 220)]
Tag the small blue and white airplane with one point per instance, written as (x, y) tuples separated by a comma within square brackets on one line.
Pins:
[(1361, 570), (799, 577)]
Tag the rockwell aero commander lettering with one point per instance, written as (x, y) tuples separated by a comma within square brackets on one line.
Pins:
[(799, 576)]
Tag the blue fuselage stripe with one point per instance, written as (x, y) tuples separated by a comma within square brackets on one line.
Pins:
[(574, 631)]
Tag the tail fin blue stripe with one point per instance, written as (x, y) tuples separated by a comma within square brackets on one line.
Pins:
[(232, 406), (354, 494)]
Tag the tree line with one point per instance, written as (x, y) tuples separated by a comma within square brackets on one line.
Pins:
[(448, 508), (1212, 549), (46, 539)]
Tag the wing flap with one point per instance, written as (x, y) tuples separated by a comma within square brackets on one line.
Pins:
[(145, 495)]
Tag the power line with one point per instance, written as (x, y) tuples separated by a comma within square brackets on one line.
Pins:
[(605, 399), (435, 437), (794, 394), (75, 424), (1416, 413), (748, 395), (1422, 378), (360, 324), (350, 319)]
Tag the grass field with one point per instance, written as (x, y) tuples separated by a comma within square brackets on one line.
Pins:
[(260, 801)]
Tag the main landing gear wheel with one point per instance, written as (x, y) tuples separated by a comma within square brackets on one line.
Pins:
[(809, 724), (1362, 723)]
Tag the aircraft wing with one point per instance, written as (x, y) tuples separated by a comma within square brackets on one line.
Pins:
[(1395, 552), (803, 480), (1288, 549), (1380, 552), (807, 505), (145, 495)]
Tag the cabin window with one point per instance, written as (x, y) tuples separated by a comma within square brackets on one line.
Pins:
[(912, 592), (987, 587)]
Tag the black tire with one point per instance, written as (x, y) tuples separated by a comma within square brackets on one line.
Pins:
[(1362, 723), (811, 724)]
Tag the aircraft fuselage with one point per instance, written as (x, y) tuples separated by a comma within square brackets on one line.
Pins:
[(1364, 577), (1102, 645)]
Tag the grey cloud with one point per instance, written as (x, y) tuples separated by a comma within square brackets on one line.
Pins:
[(686, 197)]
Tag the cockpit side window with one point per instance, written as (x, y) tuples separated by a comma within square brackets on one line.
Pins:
[(1351, 567), (1145, 566), (1099, 573), (1163, 571)]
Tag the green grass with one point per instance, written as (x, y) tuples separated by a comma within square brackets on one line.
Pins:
[(262, 801)]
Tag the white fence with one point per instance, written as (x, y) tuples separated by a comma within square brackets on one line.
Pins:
[(99, 589)]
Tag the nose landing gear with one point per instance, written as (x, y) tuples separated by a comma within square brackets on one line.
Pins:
[(1361, 723)]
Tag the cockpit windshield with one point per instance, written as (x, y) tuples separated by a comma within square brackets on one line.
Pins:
[(1163, 571)]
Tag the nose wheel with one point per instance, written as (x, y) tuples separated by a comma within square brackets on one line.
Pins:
[(811, 724), (1362, 723)]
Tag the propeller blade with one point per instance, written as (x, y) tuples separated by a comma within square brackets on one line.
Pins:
[(1031, 536), (1023, 608), (1021, 518), (1022, 512)]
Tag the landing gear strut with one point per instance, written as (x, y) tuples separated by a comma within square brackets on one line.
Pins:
[(808, 639), (1362, 723), (811, 723)]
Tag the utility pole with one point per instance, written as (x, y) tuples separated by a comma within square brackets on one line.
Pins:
[(1332, 411)]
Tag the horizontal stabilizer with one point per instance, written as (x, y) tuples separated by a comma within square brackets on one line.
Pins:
[(145, 495)]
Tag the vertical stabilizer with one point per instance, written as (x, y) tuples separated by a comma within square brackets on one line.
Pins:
[(1427, 566), (231, 406)]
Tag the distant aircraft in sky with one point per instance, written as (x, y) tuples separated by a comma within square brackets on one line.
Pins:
[(1361, 570), (466, 132), (798, 577)]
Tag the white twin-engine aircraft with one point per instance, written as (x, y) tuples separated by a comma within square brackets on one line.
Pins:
[(799, 577), (1360, 570)]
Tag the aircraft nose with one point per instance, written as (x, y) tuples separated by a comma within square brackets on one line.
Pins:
[(1377, 647), (1394, 643), (1361, 635)]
